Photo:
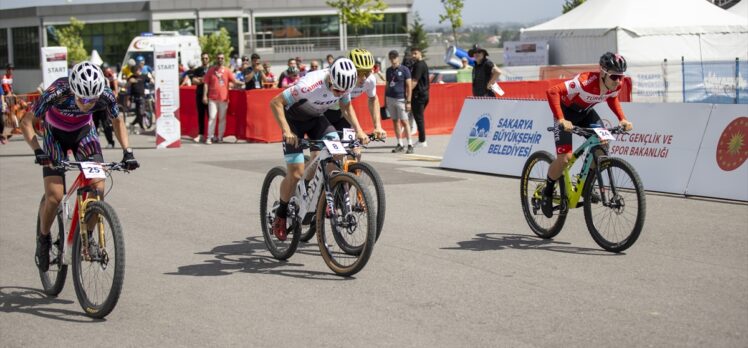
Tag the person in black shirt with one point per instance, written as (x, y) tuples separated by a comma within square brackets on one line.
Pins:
[(254, 75), (420, 93), (136, 90), (485, 73), (196, 75)]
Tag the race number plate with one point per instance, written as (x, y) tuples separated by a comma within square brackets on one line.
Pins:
[(93, 170), (604, 134), (335, 147), (349, 134)]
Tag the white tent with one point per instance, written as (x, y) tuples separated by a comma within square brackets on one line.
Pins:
[(644, 31), (740, 9), (95, 58)]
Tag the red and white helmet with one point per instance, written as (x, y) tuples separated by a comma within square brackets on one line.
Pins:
[(343, 74), (87, 80)]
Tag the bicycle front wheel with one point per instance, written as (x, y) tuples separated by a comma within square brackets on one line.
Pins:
[(369, 178), (614, 205), (269, 201), (99, 264), (346, 228), (532, 183), (53, 280)]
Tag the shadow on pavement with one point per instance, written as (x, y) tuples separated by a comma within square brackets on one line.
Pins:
[(35, 302), (251, 256), (499, 241)]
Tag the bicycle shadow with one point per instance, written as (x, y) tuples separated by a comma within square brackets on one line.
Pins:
[(251, 256), (15, 299), (500, 241)]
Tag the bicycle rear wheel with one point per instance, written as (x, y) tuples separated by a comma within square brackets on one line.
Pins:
[(269, 201), (614, 205), (369, 178), (346, 231), (99, 267), (53, 280), (532, 184)]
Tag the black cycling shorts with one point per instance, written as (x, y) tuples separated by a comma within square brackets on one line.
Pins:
[(337, 120), (580, 118), (83, 142), (316, 128)]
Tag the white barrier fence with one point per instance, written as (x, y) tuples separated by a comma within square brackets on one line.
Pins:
[(694, 149)]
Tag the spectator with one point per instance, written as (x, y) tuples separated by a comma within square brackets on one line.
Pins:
[(101, 118), (269, 76), (197, 76), (313, 66), (485, 72), (302, 67), (7, 81), (136, 90), (234, 62), (397, 92), (144, 68), (465, 74), (127, 71), (187, 79), (291, 64), (377, 71), (3, 141), (330, 59), (254, 76), (420, 75), (291, 77), (216, 96)]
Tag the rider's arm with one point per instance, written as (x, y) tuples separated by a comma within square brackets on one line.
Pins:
[(554, 99), (27, 126), (277, 105), (615, 106), (376, 118)]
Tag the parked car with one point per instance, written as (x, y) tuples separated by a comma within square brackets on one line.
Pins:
[(443, 76)]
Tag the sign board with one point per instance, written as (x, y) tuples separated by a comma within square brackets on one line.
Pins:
[(166, 73)]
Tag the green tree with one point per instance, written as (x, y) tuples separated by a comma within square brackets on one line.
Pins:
[(453, 9), (217, 42), (417, 36), (571, 4), (70, 37), (359, 13)]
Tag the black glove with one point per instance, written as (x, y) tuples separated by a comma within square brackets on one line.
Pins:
[(41, 157), (128, 159)]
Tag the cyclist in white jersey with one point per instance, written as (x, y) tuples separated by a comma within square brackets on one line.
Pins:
[(299, 110)]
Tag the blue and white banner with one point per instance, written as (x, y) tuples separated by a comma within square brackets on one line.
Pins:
[(715, 82)]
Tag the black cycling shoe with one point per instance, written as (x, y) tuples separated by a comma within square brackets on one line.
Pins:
[(43, 244), (546, 205)]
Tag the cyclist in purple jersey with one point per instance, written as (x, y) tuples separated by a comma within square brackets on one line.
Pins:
[(66, 109)]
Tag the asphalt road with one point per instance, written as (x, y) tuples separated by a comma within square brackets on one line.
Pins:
[(456, 265)]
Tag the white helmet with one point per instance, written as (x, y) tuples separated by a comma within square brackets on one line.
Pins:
[(87, 80), (343, 74)]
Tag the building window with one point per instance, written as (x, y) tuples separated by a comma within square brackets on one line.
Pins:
[(211, 25), (111, 40), (182, 26), (3, 47), (298, 27), (26, 47), (392, 23)]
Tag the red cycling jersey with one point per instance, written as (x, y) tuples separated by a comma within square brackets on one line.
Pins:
[(581, 93)]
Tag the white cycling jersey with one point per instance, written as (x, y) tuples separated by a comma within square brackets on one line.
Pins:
[(369, 86), (311, 96)]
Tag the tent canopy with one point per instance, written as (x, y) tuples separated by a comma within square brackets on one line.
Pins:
[(740, 9)]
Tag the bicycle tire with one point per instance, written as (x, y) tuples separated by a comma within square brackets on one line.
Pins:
[(281, 250), (53, 280), (100, 308), (365, 171), (341, 186), (625, 192), (310, 231), (533, 181)]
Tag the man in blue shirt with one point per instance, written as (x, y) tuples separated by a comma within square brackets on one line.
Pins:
[(397, 92)]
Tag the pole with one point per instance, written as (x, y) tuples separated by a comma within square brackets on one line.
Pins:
[(683, 75), (737, 79)]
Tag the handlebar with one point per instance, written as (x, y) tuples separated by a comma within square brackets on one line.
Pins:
[(73, 165), (371, 136), (583, 131)]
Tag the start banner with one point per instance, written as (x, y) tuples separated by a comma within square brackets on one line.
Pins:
[(54, 64), (168, 129)]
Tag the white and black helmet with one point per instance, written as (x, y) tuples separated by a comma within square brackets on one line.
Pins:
[(87, 80), (343, 74)]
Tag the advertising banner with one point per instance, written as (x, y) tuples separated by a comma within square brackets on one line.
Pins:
[(54, 64), (519, 53), (166, 73), (721, 169), (715, 82)]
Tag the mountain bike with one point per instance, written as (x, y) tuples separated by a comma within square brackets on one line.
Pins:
[(610, 190), (342, 206), (368, 176), (97, 256)]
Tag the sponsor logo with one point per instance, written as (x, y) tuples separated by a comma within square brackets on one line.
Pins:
[(56, 57), (732, 148), (478, 136), (142, 44), (573, 85), (312, 87), (166, 55)]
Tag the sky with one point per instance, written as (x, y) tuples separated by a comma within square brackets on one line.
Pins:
[(475, 11)]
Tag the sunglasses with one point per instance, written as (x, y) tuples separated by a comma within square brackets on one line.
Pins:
[(85, 101), (615, 77), (221, 58), (205, 57)]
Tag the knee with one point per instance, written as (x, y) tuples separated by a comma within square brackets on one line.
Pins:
[(53, 199)]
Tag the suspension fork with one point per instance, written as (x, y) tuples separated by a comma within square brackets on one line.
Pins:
[(86, 195), (598, 157)]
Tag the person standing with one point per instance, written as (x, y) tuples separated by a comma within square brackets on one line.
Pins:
[(197, 75), (136, 85), (420, 93), (101, 118), (216, 96), (254, 75), (397, 92), (485, 73), (7, 81), (465, 74)]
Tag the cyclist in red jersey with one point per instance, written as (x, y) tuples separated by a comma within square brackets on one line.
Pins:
[(572, 104)]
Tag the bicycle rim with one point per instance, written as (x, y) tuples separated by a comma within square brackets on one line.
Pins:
[(370, 179), (346, 234), (99, 267), (269, 201), (532, 183), (614, 211), (54, 279)]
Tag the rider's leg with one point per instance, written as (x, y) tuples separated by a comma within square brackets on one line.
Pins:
[(53, 191)]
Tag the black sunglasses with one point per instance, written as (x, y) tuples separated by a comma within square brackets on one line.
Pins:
[(616, 77)]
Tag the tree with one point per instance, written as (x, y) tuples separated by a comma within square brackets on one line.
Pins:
[(453, 9), (359, 13), (217, 42), (572, 4), (70, 37), (417, 36)]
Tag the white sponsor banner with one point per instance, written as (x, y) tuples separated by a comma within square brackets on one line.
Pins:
[(525, 53), (54, 64), (721, 169), (497, 136), (649, 83), (166, 73)]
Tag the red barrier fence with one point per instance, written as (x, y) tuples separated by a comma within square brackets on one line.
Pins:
[(249, 116)]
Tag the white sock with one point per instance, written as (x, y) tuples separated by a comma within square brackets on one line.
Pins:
[(400, 141), (410, 141)]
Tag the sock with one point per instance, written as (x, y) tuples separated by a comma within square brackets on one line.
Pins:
[(282, 211), (549, 185), (399, 141), (410, 141)]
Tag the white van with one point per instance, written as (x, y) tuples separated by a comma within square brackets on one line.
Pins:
[(189, 47)]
